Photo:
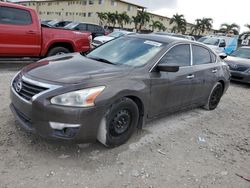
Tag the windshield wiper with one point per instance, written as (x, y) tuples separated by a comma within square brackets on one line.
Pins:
[(102, 60)]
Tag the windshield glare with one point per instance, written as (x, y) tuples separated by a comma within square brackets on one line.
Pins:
[(71, 25), (242, 53), (212, 41), (116, 34), (128, 51)]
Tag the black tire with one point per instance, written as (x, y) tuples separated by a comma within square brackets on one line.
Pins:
[(120, 123), (58, 51), (214, 97)]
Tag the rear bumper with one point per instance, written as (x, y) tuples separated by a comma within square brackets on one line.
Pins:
[(36, 117), (240, 76)]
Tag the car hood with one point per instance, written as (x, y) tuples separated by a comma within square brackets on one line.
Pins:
[(72, 69), (238, 60), (103, 38)]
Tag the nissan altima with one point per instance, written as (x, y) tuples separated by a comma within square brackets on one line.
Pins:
[(108, 93), (239, 64)]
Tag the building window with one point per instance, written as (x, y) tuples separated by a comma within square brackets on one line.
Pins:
[(130, 8), (84, 2), (114, 3), (101, 2), (91, 2), (84, 14), (90, 14)]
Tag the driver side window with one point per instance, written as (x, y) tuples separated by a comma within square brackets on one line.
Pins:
[(177, 56)]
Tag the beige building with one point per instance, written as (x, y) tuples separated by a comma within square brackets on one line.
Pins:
[(86, 11), (80, 10)]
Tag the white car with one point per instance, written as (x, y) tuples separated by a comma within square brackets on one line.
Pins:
[(102, 39)]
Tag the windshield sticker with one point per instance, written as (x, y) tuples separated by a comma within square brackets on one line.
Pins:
[(153, 43)]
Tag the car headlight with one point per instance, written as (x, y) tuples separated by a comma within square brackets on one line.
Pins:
[(79, 98)]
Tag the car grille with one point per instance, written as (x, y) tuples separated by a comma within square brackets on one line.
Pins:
[(240, 68), (27, 90)]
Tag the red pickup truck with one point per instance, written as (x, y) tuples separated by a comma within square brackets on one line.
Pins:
[(22, 35)]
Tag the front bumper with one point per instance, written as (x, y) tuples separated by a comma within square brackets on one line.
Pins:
[(36, 116), (240, 76)]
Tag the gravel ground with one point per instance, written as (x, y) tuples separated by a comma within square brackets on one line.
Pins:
[(194, 148)]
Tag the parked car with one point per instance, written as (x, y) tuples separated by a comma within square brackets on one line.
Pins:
[(96, 30), (239, 63), (221, 44), (21, 35), (176, 35), (102, 39), (56, 23), (116, 88)]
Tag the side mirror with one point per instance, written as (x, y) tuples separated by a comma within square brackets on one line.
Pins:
[(223, 55), (167, 68), (222, 45)]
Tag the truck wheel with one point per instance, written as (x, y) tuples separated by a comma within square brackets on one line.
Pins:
[(58, 51), (119, 123)]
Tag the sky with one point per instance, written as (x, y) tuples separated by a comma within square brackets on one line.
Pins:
[(222, 11)]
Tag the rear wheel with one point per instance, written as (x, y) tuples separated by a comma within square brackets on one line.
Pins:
[(58, 51), (119, 124), (214, 97)]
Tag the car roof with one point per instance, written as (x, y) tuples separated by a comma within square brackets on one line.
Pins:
[(168, 39), (247, 47), (86, 23), (161, 38)]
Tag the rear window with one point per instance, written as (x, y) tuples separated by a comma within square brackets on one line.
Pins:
[(14, 16), (201, 55)]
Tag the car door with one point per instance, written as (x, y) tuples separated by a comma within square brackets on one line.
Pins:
[(171, 90), (205, 70), (19, 34)]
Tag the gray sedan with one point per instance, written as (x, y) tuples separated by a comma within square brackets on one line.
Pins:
[(239, 63), (116, 88)]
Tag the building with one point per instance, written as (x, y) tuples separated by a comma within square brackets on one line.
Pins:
[(80, 10), (86, 11)]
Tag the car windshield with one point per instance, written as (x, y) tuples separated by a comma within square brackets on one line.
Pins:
[(53, 22), (71, 25), (116, 34), (202, 39), (130, 51), (242, 52), (212, 41)]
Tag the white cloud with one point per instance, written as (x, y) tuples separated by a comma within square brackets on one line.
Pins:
[(222, 11)]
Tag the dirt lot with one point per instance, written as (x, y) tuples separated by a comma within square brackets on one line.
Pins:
[(195, 148)]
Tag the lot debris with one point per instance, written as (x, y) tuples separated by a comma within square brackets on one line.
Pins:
[(161, 152), (243, 177), (63, 156)]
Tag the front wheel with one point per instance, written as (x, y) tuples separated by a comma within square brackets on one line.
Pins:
[(119, 123), (214, 97), (58, 51)]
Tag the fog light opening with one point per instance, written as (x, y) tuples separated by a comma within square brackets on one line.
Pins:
[(61, 126)]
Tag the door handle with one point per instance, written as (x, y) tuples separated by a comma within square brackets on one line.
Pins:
[(214, 70), (190, 76), (31, 32)]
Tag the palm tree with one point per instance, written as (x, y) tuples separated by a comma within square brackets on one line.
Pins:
[(154, 25), (123, 18), (180, 23), (196, 28), (102, 17), (157, 25), (143, 18), (136, 21), (201, 25), (206, 24), (111, 18), (225, 28)]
